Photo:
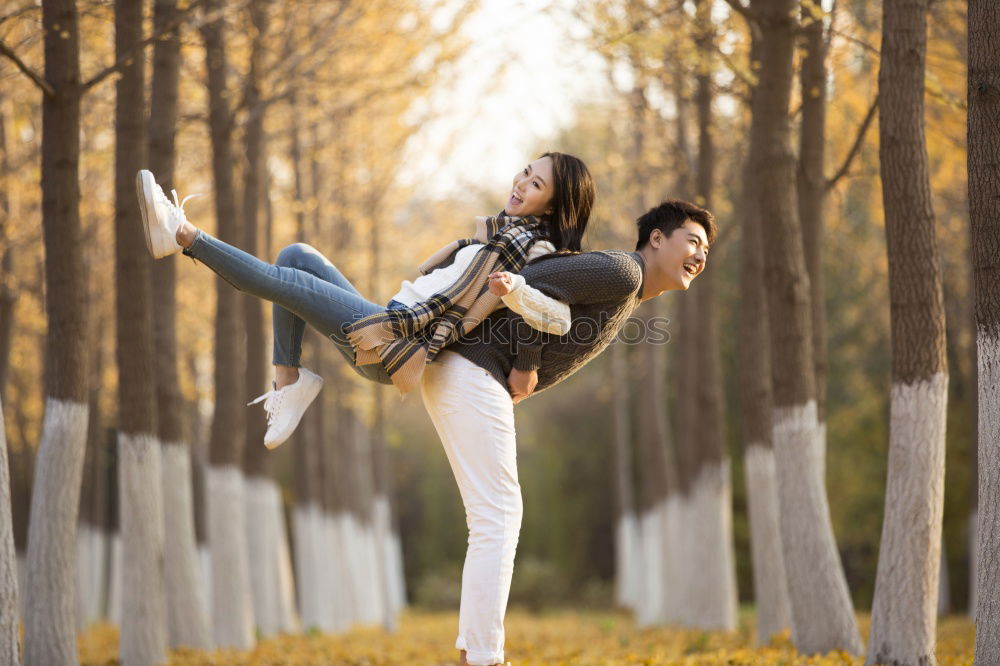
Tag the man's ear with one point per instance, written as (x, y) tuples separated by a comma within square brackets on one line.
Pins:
[(654, 239)]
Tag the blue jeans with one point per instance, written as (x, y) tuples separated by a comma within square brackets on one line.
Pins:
[(304, 287)]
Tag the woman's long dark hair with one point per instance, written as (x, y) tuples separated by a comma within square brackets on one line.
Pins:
[(572, 201)]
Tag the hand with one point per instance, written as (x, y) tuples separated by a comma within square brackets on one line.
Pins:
[(521, 383), (501, 283)]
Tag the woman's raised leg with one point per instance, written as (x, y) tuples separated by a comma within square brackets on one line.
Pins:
[(303, 297)]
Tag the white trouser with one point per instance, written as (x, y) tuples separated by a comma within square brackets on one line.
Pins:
[(474, 417)]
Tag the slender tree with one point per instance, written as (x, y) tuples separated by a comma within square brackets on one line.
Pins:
[(50, 607), (713, 571), (904, 610), (626, 522), (144, 622), (92, 537), (263, 496), (8, 296), (656, 482), (811, 189), (232, 604), (383, 532), (187, 612), (984, 213), (822, 614), (756, 402)]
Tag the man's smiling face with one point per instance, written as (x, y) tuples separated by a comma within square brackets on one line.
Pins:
[(681, 256)]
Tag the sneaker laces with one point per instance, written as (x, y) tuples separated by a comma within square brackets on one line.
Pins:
[(179, 205), (272, 402)]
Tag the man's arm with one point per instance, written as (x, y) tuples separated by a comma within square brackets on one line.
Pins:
[(590, 277)]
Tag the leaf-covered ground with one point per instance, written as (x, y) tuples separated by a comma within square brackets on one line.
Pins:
[(560, 638)]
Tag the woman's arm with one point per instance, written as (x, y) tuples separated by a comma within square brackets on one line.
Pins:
[(541, 312)]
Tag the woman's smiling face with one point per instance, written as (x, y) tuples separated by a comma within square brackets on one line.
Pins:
[(533, 189)]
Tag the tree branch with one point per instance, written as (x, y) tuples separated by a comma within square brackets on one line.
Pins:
[(19, 12), (743, 11), (855, 148), (855, 40), (136, 49), (35, 77)]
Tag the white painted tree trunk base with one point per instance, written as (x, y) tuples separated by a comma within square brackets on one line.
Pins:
[(262, 543), (397, 558), (9, 615), (187, 609), (144, 608), (674, 542), (822, 611), (709, 596), (371, 572), (626, 561), (288, 619), (306, 528), (973, 562), (345, 547), (50, 589), (338, 615), (988, 523), (205, 572), (90, 574), (382, 530), (904, 609), (22, 578), (360, 569), (115, 580), (232, 605), (649, 609), (774, 612)]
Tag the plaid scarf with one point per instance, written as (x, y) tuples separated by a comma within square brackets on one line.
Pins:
[(405, 340)]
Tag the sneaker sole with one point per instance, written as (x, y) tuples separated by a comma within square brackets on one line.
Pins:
[(143, 194), (144, 185)]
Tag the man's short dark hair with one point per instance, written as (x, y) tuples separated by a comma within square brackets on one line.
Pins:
[(670, 215)]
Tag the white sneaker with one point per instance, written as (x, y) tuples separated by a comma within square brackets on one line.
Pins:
[(285, 406), (160, 217)]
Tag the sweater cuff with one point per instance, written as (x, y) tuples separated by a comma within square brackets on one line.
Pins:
[(528, 357)]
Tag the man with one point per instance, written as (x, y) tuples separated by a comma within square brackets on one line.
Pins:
[(470, 390)]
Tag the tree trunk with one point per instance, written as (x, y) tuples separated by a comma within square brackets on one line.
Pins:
[(144, 620), (262, 494), (984, 210), (232, 605), (50, 590), (822, 614), (658, 599), (9, 649), (308, 515), (904, 609), (710, 496), (811, 188), (8, 296), (774, 613), (626, 522), (92, 536), (383, 533), (187, 610)]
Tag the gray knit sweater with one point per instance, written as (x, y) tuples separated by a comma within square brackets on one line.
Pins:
[(602, 290)]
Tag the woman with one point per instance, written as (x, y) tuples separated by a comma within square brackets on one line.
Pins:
[(547, 210)]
